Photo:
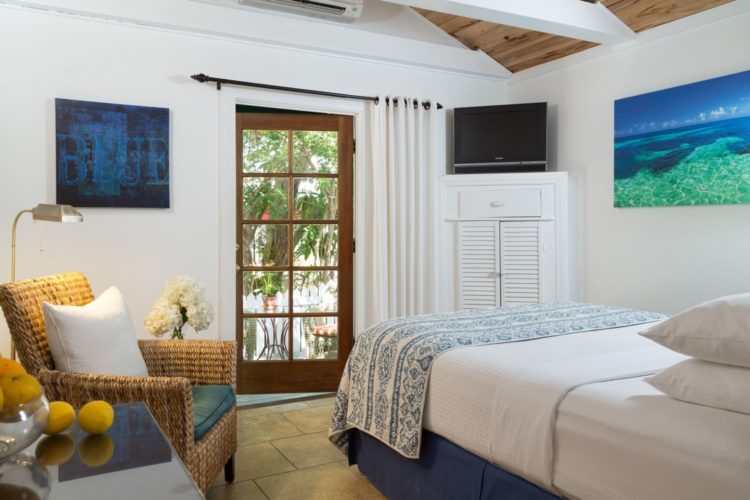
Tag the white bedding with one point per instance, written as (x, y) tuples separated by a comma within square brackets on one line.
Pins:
[(500, 401), (624, 439)]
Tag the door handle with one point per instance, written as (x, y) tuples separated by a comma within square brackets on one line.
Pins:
[(497, 204)]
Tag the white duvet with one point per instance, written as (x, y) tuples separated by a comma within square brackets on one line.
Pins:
[(626, 440), (501, 402)]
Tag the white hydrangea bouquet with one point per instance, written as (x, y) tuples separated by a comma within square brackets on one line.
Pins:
[(182, 302)]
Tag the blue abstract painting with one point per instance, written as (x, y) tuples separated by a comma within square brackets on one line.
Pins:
[(112, 155), (688, 145)]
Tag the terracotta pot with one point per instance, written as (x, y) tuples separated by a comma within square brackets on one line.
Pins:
[(269, 303)]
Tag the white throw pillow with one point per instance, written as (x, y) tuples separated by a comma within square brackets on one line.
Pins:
[(707, 384), (96, 338), (717, 330)]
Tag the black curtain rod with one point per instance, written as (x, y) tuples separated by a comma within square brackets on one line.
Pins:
[(203, 78)]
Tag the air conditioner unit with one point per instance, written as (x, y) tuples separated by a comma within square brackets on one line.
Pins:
[(339, 10)]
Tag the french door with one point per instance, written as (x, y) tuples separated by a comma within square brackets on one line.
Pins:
[(294, 251)]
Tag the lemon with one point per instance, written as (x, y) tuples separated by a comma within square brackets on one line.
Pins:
[(96, 417), (55, 450), (15, 491), (96, 450), (61, 415), (10, 367), (18, 389)]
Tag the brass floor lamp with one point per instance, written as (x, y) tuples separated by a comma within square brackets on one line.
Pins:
[(43, 212)]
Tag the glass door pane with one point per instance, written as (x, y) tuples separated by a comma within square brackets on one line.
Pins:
[(293, 192), (265, 151), (316, 337), (315, 151)]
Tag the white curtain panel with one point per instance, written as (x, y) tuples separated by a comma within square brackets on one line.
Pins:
[(401, 216)]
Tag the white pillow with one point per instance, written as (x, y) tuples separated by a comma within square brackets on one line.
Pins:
[(717, 330), (96, 338), (707, 384)]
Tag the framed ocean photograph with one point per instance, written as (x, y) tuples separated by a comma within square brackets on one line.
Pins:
[(687, 145), (111, 155)]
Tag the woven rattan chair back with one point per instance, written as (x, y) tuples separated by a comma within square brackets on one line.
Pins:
[(22, 306)]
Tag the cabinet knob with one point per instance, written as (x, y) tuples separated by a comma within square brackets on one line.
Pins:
[(497, 204)]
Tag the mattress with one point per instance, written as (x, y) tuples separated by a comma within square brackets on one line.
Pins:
[(493, 401), (624, 439)]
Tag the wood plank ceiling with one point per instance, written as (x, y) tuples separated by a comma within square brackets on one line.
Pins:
[(518, 49)]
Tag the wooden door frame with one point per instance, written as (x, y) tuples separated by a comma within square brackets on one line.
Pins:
[(299, 375), (228, 99)]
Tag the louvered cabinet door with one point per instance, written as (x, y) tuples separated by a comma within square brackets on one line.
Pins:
[(478, 262), (520, 258)]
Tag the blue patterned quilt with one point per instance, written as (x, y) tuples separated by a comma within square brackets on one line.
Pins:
[(383, 388)]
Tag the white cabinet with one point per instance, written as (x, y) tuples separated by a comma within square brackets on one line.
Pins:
[(506, 239), (479, 264), (496, 204)]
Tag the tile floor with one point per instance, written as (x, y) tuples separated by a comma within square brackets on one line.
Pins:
[(283, 452)]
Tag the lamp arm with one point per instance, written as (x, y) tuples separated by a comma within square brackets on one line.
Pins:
[(13, 267), (13, 246)]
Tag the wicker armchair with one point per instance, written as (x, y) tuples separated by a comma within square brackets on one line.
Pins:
[(173, 366)]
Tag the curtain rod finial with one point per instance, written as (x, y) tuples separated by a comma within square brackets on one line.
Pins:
[(200, 77)]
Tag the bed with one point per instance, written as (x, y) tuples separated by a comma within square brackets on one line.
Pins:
[(565, 415)]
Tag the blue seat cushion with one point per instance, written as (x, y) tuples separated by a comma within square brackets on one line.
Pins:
[(210, 403)]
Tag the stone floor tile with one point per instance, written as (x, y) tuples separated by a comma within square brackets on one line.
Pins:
[(311, 419), (308, 450), (238, 490), (314, 403), (259, 459), (265, 428), (266, 410), (324, 482), (355, 470)]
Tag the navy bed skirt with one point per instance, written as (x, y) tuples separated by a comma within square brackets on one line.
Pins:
[(443, 471)]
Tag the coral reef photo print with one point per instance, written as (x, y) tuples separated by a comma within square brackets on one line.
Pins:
[(112, 155), (687, 145)]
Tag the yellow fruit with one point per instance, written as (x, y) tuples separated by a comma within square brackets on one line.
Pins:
[(96, 417), (15, 491), (55, 450), (19, 389), (96, 450), (10, 367), (61, 415)]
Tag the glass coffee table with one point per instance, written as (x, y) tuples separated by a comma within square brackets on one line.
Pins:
[(132, 460)]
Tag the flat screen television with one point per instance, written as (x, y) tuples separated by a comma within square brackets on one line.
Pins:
[(508, 138)]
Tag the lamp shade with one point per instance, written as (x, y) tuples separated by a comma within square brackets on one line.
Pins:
[(56, 213)]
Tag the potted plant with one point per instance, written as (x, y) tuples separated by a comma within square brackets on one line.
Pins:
[(268, 288)]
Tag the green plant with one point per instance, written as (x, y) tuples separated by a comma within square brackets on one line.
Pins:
[(268, 285), (272, 198)]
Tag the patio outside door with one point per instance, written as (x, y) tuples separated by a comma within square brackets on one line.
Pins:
[(294, 251)]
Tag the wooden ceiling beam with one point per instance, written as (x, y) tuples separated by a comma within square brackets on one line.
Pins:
[(640, 15), (518, 48), (591, 22)]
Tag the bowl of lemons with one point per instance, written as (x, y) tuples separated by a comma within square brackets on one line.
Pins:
[(24, 411)]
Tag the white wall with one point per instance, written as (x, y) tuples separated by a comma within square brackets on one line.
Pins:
[(377, 17), (663, 259), (49, 55)]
